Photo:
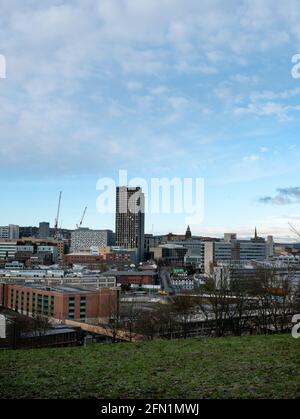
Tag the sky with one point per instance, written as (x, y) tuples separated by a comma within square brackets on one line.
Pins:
[(160, 88)]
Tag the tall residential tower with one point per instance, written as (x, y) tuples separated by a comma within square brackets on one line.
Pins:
[(130, 219)]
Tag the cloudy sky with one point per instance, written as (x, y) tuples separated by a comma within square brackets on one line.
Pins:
[(162, 88)]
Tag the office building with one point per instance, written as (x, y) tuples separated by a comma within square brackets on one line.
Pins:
[(270, 246), (28, 232), (233, 251), (4, 232), (216, 252), (31, 251), (228, 237), (60, 303), (97, 258), (83, 239), (7, 250), (194, 247), (246, 250), (169, 254), (130, 219), (44, 230), (10, 232), (136, 277)]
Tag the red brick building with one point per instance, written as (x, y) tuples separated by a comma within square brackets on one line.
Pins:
[(95, 261), (60, 302), (137, 278), (88, 260)]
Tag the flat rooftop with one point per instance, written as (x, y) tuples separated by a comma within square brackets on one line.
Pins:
[(132, 273), (58, 288)]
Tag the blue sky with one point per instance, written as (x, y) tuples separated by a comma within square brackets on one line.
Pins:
[(162, 88)]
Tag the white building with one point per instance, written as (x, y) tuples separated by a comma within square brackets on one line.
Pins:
[(8, 249), (250, 250), (13, 270), (270, 246), (10, 232), (236, 251), (217, 252)]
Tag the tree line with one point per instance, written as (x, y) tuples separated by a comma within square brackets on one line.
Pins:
[(262, 304)]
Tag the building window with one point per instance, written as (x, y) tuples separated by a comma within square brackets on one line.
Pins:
[(33, 305), (45, 305), (82, 308), (71, 308), (22, 302), (12, 298), (17, 301), (52, 305), (27, 302), (40, 304)]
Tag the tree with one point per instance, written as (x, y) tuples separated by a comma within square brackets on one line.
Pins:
[(147, 324), (276, 299), (182, 309), (113, 323), (41, 324), (240, 307), (297, 299), (130, 315), (226, 305), (158, 321)]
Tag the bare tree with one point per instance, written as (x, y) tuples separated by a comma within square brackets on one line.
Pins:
[(183, 310), (158, 321), (147, 324), (276, 299), (130, 316), (297, 299), (113, 323), (240, 307), (41, 324), (226, 305)]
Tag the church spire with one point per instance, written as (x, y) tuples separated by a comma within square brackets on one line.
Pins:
[(188, 234)]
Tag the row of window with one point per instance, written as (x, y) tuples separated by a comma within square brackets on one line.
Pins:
[(43, 305), (40, 303), (82, 308)]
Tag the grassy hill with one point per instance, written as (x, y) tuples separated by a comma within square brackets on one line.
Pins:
[(247, 367)]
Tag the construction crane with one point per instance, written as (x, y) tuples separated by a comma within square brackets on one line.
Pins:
[(294, 230), (82, 218), (56, 229)]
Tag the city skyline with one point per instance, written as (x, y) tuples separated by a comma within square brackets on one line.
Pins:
[(196, 97), (121, 205), (178, 231), (112, 220), (150, 202)]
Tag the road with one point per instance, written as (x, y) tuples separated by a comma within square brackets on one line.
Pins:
[(164, 277)]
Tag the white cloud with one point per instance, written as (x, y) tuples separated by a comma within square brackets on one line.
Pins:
[(252, 157), (269, 109), (62, 55), (159, 90), (134, 86)]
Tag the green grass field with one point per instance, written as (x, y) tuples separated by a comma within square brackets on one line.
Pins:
[(247, 367)]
